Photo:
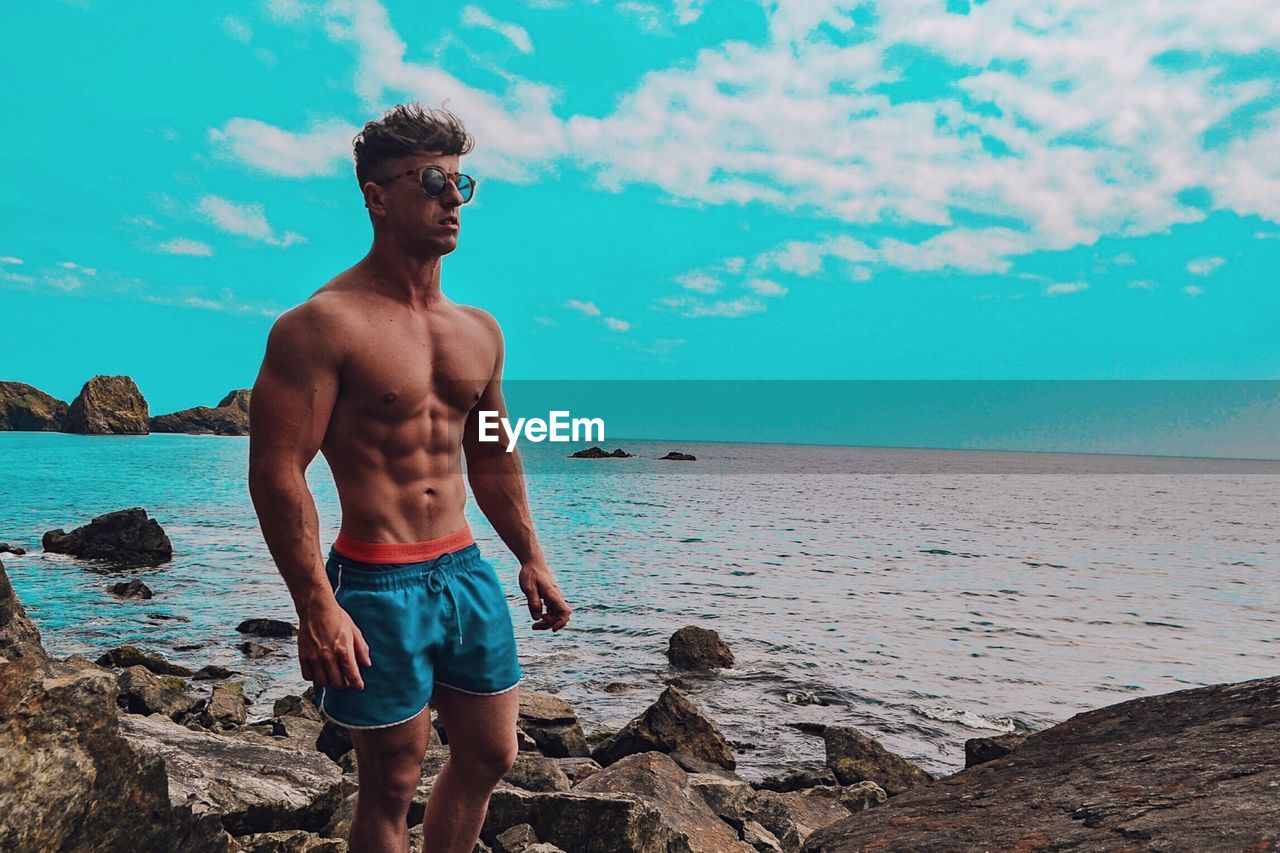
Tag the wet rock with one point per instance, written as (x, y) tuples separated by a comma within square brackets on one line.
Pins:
[(582, 822), (19, 636), (1191, 770), (535, 772), (854, 757), (616, 687), (126, 656), (25, 407), (619, 453), (107, 405), (229, 417), (253, 650), (141, 692), (670, 724), (252, 787), (656, 779), (553, 725), (213, 672), (6, 548), (267, 628), (677, 456), (130, 589), (799, 779), (125, 538), (697, 648), (980, 750), (597, 453)]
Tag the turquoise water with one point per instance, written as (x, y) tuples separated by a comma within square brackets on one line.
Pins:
[(926, 596)]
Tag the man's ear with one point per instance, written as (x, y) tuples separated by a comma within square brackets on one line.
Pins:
[(373, 197)]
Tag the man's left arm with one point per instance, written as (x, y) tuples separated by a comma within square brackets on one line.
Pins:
[(497, 481)]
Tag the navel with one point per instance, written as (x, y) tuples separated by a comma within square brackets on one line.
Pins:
[(389, 397)]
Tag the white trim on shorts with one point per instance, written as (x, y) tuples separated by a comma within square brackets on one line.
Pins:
[(325, 713), (476, 693)]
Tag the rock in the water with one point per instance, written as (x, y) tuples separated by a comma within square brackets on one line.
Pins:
[(141, 692), (267, 628), (131, 589), (619, 453), (980, 750), (582, 822), (125, 656), (659, 781), (125, 538), (592, 452), (253, 650), (68, 780), (677, 456), (230, 417), (799, 779), (553, 725), (252, 787), (212, 672), (697, 648), (1191, 770), (6, 548), (19, 636), (25, 407), (670, 724), (854, 757), (108, 405)]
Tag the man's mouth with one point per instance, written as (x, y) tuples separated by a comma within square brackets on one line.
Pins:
[(450, 220)]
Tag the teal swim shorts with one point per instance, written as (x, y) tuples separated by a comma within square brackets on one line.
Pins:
[(443, 621)]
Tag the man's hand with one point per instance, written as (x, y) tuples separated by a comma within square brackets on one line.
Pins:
[(546, 602), (328, 646)]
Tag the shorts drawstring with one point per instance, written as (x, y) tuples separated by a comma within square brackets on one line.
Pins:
[(438, 580)]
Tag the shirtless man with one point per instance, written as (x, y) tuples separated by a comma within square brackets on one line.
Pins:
[(384, 375)]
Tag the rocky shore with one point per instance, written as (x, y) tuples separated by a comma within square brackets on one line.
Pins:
[(113, 405), (134, 752)]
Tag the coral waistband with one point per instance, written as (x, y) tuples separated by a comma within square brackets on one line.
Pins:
[(403, 552)]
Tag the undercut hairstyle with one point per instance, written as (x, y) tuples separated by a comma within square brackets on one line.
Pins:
[(407, 129)]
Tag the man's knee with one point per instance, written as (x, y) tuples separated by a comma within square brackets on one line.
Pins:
[(490, 761), (391, 789)]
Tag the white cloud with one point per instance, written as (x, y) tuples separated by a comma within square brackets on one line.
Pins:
[(694, 307), (1124, 259), (1205, 266), (518, 36), (589, 309), (10, 260), (1064, 287), (698, 281), (1142, 284), (616, 324), (72, 265), (237, 29), (1192, 290), (186, 246), (245, 220), (319, 150), (765, 287)]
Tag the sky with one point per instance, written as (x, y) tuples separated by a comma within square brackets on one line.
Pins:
[(694, 189)]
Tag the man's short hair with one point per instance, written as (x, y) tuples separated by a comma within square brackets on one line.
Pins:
[(407, 129)]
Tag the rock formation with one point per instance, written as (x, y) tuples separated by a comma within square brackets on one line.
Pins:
[(671, 725), (107, 405), (229, 417), (25, 407), (697, 648), (126, 538)]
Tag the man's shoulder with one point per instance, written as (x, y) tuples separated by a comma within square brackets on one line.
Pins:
[(481, 317)]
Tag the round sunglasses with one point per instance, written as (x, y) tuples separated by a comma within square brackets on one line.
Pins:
[(433, 180)]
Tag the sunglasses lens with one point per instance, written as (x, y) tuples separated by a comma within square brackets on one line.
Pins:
[(466, 187), (433, 181)]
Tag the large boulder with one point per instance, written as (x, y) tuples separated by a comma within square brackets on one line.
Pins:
[(553, 725), (251, 787), (230, 417), (1192, 770), (25, 407), (126, 538), (854, 757), (107, 405), (659, 781), (582, 822), (142, 692), (697, 648), (68, 780), (127, 656), (671, 724)]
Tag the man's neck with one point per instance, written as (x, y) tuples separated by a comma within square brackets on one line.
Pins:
[(402, 276)]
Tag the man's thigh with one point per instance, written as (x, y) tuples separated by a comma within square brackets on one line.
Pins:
[(392, 754), (479, 727)]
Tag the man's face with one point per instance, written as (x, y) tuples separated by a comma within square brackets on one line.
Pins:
[(419, 222)]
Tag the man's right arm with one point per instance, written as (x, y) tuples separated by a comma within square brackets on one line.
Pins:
[(289, 411)]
